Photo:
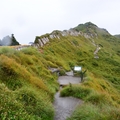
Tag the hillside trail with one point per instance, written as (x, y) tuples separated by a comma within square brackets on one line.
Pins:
[(96, 52), (64, 106)]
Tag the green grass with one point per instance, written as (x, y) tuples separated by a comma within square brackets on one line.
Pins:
[(76, 91), (27, 87), (89, 111)]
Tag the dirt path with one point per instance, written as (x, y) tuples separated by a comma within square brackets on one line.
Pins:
[(96, 52), (64, 106), (65, 80)]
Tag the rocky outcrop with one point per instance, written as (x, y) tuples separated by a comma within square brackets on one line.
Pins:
[(20, 47), (40, 41), (71, 32)]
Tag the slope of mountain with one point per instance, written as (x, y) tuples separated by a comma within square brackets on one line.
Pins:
[(77, 47), (28, 84)]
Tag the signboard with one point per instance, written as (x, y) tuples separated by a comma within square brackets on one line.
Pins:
[(77, 68)]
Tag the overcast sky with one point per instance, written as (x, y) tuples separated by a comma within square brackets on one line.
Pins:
[(29, 18)]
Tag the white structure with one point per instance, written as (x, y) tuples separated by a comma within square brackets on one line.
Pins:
[(77, 68)]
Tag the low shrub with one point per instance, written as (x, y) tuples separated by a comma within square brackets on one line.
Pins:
[(97, 98), (92, 112), (34, 104), (10, 108), (30, 51), (7, 51), (76, 91), (71, 64), (62, 72)]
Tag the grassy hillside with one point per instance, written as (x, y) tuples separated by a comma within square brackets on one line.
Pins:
[(27, 87), (101, 86)]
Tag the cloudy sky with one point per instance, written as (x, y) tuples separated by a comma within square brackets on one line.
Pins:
[(29, 18)]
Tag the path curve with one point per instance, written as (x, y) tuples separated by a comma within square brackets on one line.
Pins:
[(64, 106)]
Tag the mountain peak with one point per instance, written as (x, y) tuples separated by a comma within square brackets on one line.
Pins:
[(90, 24), (90, 28)]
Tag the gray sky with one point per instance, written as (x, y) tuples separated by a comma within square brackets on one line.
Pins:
[(29, 18)]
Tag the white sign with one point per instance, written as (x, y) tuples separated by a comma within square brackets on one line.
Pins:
[(77, 68)]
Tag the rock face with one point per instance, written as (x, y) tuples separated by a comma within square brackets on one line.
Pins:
[(9, 41), (40, 41)]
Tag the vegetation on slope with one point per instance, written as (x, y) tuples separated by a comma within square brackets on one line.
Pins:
[(117, 36), (91, 28), (27, 87), (101, 86)]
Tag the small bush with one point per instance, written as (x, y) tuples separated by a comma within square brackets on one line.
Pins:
[(71, 64), (51, 64), (7, 50), (34, 103), (62, 72), (30, 51), (96, 98), (10, 108), (75, 42), (76, 91)]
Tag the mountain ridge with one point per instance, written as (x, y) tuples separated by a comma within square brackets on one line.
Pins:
[(97, 36), (88, 30)]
